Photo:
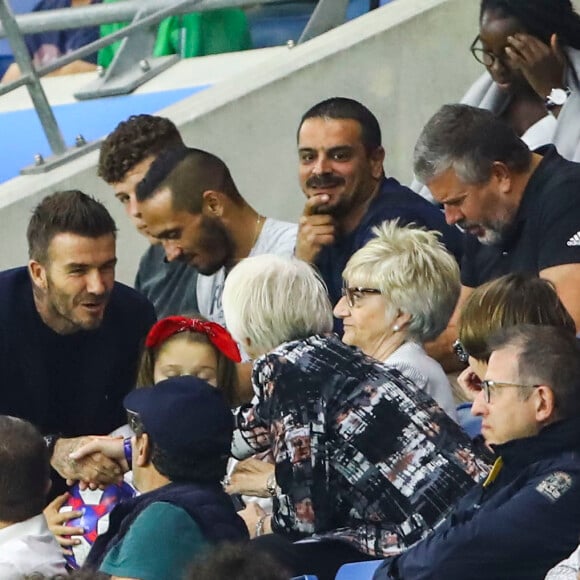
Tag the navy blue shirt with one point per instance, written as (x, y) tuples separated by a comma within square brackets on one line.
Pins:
[(516, 526), (392, 201), (70, 384)]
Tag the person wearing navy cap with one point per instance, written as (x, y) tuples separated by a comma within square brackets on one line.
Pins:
[(183, 430)]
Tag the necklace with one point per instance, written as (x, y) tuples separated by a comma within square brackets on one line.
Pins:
[(258, 229)]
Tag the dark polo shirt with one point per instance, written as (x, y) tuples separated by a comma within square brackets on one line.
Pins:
[(545, 232)]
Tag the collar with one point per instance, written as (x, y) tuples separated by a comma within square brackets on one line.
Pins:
[(552, 440), (535, 183)]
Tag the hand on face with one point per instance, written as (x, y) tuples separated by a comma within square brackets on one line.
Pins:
[(315, 230), (470, 383), (542, 65)]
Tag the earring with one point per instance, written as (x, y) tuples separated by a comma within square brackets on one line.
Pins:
[(396, 328)]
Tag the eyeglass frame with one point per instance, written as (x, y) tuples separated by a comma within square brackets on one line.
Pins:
[(348, 293), (476, 50), (487, 384), (134, 422), (460, 352)]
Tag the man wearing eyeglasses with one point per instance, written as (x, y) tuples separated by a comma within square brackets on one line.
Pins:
[(526, 516), (521, 208)]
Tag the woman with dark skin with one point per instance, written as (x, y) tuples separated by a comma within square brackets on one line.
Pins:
[(531, 49)]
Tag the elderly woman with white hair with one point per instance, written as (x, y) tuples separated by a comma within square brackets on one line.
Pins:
[(400, 290), (364, 460)]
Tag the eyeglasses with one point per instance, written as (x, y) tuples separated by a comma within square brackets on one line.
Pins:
[(134, 422), (485, 57), (460, 352), (486, 387), (355, 293)]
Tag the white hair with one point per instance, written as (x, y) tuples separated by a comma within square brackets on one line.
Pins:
[(413, 271), (270, 300)]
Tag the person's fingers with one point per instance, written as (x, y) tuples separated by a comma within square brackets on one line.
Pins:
[(86, 450), (313, 203), (63, 534), (60, 518), (57, 502)]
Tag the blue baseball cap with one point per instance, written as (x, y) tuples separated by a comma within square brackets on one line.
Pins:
[(184, 415)]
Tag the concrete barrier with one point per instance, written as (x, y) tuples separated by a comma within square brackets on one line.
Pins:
[(403, 61)]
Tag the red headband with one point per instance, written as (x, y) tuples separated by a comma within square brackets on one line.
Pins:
[(216, 333)]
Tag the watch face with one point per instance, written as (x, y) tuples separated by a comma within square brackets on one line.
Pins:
[(558, 97)]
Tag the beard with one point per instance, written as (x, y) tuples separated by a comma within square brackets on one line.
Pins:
[(215, 247), (67, 312), (494, 231)]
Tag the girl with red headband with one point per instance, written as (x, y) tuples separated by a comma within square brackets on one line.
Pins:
[(179, 345)]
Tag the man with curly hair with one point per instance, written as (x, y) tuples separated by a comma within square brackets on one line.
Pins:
[(125, 157)]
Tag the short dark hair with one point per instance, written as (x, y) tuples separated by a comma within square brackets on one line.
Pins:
[(71, 212), (540, 18), (132, 141), (25, 470), (236, 562), (187, 173), (469, 140), (516, 298), (548, 355), (182, 467), (344, 108)]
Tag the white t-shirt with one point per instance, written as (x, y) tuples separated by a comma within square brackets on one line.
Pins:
[(276, 237), (28, 547)]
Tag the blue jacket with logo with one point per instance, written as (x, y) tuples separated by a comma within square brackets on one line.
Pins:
[(521, 522)]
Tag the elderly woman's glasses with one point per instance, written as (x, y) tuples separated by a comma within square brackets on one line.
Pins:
[(485, 57), (355, 293), (460, 352), (487, 386)]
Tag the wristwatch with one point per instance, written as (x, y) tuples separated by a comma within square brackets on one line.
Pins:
[(557, 98), (50, 442)]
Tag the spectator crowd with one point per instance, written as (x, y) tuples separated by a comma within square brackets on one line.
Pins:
[(395, 379)]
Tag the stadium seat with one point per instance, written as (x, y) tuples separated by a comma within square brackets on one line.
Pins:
[(471, 424), (358, 570)]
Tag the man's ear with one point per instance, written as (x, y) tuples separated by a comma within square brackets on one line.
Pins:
[(503, 176), (545, 404), (377, 159), (143, 450), (213, 203), (37, 274)]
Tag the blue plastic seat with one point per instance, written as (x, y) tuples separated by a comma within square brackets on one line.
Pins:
[(358, 570), (470, 424)]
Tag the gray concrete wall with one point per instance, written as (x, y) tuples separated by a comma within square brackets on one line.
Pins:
[(403, 61)]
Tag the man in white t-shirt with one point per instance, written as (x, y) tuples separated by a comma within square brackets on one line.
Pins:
[(191, 204), (26, 544)]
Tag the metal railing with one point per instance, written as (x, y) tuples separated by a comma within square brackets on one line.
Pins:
[(131, 66)]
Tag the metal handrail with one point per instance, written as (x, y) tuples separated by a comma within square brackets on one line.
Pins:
[(143, 13), (97, 14)]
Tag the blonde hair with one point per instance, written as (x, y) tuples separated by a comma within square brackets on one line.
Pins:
[(271, 300), (511, 300), (413, 271)]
